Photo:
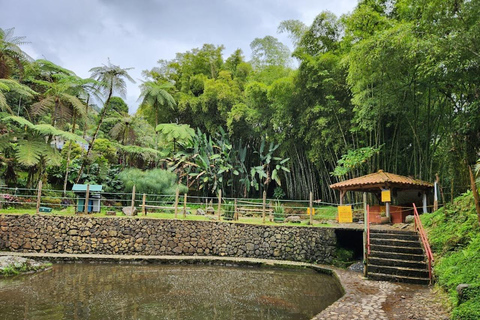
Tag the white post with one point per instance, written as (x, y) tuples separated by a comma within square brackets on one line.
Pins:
[(424, 202)]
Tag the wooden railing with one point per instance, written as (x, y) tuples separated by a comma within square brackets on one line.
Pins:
[(423, 237)]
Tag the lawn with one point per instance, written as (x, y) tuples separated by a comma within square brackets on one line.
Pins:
[(322, 217)]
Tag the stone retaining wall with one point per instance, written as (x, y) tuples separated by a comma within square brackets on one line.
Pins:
[(134, 236)]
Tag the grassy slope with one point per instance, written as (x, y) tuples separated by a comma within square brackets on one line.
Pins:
[(454, 234)]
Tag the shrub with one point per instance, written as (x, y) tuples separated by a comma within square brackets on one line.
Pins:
[(343, 257), (156, 181), (278, 212), (228, 210)]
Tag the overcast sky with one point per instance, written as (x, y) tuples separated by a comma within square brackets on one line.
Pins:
[(79, 35)]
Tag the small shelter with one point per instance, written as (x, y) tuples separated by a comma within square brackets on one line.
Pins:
[(93, 197), (386, 187)]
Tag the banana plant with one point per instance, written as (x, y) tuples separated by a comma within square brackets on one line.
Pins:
[(269, 167)]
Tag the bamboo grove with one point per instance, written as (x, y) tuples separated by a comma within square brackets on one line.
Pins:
[(393, 85)]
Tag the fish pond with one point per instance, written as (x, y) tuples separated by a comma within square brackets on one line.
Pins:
[(153, 291)]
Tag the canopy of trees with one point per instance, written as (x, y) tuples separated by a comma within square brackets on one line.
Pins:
[(394, 85)]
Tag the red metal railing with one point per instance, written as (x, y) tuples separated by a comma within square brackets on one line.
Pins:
[(423, 237)]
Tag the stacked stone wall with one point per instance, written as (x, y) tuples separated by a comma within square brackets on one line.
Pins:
[(141, 236)]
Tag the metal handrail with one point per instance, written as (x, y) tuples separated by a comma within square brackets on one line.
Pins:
[(423, 237)]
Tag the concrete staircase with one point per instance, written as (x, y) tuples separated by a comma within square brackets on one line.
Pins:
[(397, 256)]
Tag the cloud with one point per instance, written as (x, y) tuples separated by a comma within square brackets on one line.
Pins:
[(79, 35)]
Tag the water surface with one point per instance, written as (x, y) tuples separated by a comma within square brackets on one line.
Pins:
[(113, 291)]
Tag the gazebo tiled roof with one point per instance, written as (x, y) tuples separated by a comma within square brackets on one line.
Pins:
[(381, 179)]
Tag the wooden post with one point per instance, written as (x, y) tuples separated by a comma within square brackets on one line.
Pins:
[(185, 205), (311, 208), (39, 195), (133, 199), (144, 200), (235, 215), (87, 198), (176, 202), (365, 211), (342, 194), (219, 205), (264, 206)]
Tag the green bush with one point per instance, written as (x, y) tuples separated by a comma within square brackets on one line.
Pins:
[(343, 257), (156, 181), (228, 210), (278, 212)]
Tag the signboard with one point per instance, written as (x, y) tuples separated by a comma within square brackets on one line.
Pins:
[(386, 197), (345, 214), (308, 211)]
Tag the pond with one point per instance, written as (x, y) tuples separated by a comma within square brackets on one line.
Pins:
[(118, 291)]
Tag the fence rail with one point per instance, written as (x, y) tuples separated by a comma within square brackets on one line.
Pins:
[(169, 206)]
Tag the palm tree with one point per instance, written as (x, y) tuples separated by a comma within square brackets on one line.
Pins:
[(112, 79), (11, 56), (10, 85), (154, 95), (59, 98)]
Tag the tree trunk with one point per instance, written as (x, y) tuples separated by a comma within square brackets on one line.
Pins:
[(68, 156), (90, 146)]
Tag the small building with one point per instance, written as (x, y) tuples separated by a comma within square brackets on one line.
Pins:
[(94, 195), (396, 192)]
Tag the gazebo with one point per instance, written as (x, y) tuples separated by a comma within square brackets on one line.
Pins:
[(387, 186)]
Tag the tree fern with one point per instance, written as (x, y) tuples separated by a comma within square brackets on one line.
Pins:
[(44, 129), (29, 152)]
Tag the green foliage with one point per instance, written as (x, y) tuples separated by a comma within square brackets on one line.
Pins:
[(454, 234), (354, 159), (454, 226), (228, 210), (156, 181), (278, 212), (268, 51), (278, 193), (343, 257)]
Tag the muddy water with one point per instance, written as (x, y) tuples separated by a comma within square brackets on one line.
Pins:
[(112, 291)]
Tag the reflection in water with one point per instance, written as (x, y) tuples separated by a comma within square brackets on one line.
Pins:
[(111, 291)]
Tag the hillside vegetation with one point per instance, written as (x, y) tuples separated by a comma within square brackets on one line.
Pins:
[(454, 234)]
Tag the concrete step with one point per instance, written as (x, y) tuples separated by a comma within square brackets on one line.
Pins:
[(393, 278), (386, 248), (396, 255), (400, 236), (401, 232), (398, 271), (397, 263), (395, 243)]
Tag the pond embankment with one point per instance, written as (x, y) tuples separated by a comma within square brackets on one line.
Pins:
[(88, 235)]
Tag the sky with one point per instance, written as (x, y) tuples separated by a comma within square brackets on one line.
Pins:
[(79, 35)]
